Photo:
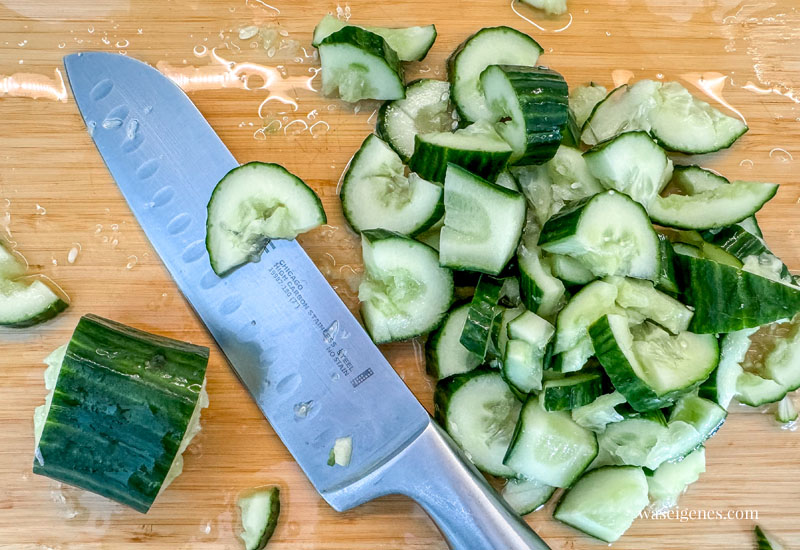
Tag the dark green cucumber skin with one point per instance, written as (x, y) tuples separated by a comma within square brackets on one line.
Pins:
[(543, 98), (529, 291), (568, 397), (116, 420), (616, 365), (430, 161), (762, 542), (726, 299), (564, 223), (739, 242), (53, 310), (667, 281), (274, 512), (572, 133), (483, 319), (370, 42)]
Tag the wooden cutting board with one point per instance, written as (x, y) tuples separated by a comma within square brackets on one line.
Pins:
[(56, 196)]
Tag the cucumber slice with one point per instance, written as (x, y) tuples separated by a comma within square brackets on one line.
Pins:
[(718, 207), (599, 413), (642, 297), (676, 120), (482, 324), (426, 109), (12, 265), (477, 148), (108, 414), (376, 193), (479, 411), (631, 163), (529, 106), (358, 64), (604, 502), (652, 368), (252, 204), (410, 43), (552, 7), (591, 303), (529, 336), (671, 479), (721, 385), (765, 541), (583, 100), (488, 46), (549, 447), (786, 412), (571, 392), (666, 282), (24, 304), (526, 495), (260, 509), (608, 233), (445, 355), (482, 223), (726, 299), (405, 292), (570, 270), (542, 293)]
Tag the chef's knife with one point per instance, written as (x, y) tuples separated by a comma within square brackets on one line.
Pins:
[(306, 361)]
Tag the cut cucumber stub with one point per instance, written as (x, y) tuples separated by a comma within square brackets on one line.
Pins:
[(260, 509), (631, 163), (604, 502), (549, 447), (609, 234), (726, 299), (641, 297), (705, 416), (482, 324), (405, 292), (482, 223), (489, 46), (376, 193), (426, 109), (479, 411), (252, 204), (445, 355), (526, 495), (649, 366), (599, 413), (410, 43), (587, 306), (671, 479), (668, 112), (552, 7), (478, 149), (24, 303), (571, 392), (718, 207), (358, 64), (529, 106), (721, 385), (124, 401), (583, 100)]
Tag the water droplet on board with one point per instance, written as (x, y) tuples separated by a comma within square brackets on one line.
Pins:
[(746, 163), (40, 210), (246, 33), (73, 252), (132, 261), (780, 154)]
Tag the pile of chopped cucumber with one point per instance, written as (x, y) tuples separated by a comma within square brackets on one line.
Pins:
[(617, 302)]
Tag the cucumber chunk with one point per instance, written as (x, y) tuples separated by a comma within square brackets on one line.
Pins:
[(549, 447), (671, 479), (24, 304), (774, 355), (260, 509), (608, 233), (252, 204), (631, 163), (489, 46), (482, 223), (591, 303), (583, 100), (410, 43), (405, 292), (426, 109), (123, 401), (479, 411), (649, 366), (12, 265), (376, 193), (604, 502), (571, 392), (358, 64), (478, 149), (692, 179), (526, 495), (445, 354), (599, 413), (529, 107)]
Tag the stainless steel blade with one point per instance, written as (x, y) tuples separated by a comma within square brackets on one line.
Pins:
[(305, 359)]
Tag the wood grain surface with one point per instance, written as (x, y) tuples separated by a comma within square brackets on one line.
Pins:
[(56, 195)]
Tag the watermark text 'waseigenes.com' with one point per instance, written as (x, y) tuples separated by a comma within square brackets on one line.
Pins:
[(684, 515)]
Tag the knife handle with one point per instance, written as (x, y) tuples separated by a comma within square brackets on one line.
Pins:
[(434, 472)]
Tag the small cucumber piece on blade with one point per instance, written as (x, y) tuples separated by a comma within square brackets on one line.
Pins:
[(405, 292), (488, 46), (425, 109), (529, 106), (604, 502), (376, 193), (410, 43), (251, 205), (260, 508), (479, 411), (358, 64)]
